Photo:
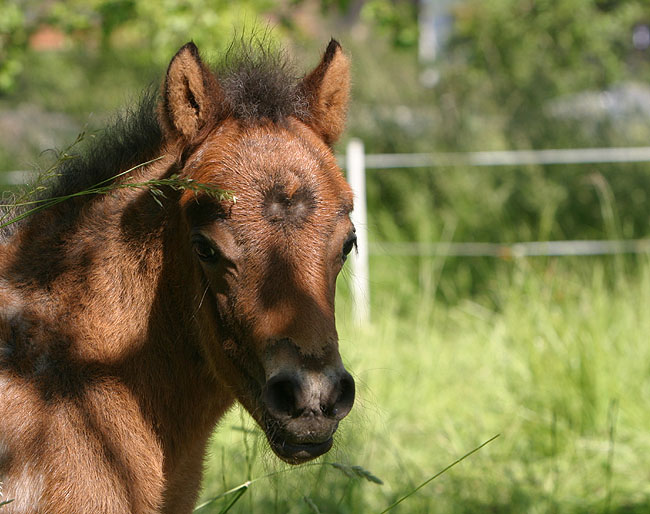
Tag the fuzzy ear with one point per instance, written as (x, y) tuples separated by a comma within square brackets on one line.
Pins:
[(190, 95), (327, 89)]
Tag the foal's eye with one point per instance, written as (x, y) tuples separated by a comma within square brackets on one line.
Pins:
[(350, 243), (204, 249)]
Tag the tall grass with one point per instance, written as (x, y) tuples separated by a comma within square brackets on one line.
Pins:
[(555, 358)]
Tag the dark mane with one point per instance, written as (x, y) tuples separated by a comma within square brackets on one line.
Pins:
[(133, 137), (258, 83)]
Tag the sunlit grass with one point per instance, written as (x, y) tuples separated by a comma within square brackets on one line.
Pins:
[(556, 359)]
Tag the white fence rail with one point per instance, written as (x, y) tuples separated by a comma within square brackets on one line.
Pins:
[(514, 250), (508, 158), (356, 163)]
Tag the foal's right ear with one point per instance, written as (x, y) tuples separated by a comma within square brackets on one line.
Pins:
[(190, 95), (327, 89)]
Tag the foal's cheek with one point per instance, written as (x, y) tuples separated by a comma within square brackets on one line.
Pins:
[(225, 287), (221, 276)]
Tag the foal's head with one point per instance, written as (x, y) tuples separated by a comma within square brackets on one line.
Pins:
[(264, 267)]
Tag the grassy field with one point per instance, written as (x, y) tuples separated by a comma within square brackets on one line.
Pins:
[(554, 357)]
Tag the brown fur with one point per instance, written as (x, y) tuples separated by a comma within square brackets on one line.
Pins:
[(120, 348)]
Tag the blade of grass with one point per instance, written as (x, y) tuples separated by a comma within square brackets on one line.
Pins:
[(312, 506), (45, 203), (356, 472), (234, 500), (239, 490), (175, 182), (350, 471), (458, 461), (612, 416)]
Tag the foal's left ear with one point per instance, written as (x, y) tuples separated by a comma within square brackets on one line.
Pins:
[(190, 95), (327, 89)]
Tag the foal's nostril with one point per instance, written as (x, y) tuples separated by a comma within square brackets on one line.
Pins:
[(343, 398), (280, 395)]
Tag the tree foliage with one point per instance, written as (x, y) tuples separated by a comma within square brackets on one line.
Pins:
[(512, 57), (157, 29), (13, 42), (397, 18)]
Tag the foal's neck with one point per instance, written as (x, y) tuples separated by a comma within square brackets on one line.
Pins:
[(106, 277)]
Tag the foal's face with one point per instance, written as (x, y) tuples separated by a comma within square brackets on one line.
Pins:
[(264, 267), (269, 263)]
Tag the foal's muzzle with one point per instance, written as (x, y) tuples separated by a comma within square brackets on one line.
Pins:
[(303, 409)]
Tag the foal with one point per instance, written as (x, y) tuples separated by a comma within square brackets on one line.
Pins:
[(130, 323)]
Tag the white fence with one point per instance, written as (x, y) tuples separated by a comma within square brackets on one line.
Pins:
[(357, 162)]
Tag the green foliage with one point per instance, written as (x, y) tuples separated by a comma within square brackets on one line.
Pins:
[(165, 26), (508, 58), (13, 43), (156, 29), (396, 17)]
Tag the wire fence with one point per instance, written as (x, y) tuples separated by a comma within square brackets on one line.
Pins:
[(509, 158), (356, 162), (514, 250)]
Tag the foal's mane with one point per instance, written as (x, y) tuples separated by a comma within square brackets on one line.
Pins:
[(257, 83)]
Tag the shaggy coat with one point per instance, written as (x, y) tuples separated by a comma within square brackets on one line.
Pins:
[(131, 321)]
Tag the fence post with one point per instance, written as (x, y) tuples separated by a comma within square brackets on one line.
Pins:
[(356, 171)]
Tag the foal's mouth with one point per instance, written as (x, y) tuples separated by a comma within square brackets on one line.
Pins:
[(301, 445), (298, 453)]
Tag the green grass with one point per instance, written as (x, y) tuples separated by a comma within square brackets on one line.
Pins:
[(554, 357)]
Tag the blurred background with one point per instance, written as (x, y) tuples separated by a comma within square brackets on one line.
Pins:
[(470, 333)]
